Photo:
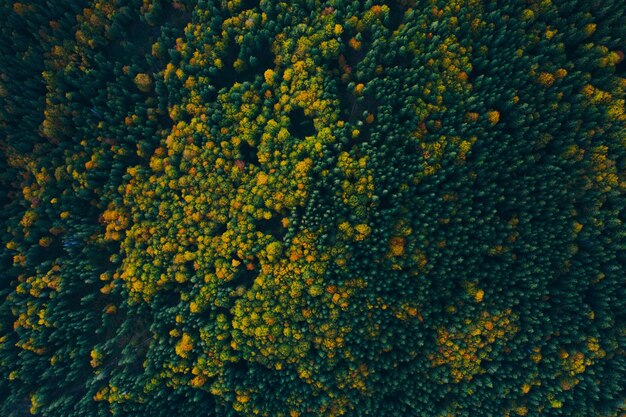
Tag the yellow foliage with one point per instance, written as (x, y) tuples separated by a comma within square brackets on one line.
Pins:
[(590, 29), (269, 76), (463, 351), (143, 82), (96, 358), (184, 346), (363, 230), (546, 79), (493, 117), (396, 246)]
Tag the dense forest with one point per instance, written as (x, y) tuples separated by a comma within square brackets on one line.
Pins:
[(312, 208)]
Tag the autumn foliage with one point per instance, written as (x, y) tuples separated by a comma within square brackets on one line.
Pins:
[(312, 208)]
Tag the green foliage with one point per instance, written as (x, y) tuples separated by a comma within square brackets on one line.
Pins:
[(312, 208)]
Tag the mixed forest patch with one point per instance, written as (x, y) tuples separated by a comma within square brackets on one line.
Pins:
[(312, 208)]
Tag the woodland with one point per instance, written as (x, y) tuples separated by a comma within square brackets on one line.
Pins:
[(312, 208)]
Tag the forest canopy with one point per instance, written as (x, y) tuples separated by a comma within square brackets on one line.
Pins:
[(312, 208)]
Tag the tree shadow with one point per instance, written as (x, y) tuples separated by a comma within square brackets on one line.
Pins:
[(248, 153), (301, 125)]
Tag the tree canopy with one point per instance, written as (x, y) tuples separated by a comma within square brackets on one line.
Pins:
[(312, 208)]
